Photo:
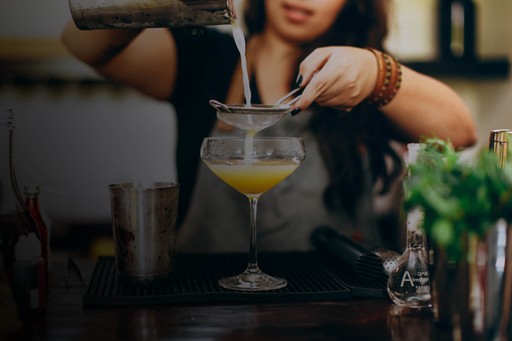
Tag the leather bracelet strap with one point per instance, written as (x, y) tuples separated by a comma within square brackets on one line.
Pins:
[(381, 72), (389, 79)]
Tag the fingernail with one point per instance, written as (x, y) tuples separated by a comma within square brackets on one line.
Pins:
[(295, 111), (298, 82)]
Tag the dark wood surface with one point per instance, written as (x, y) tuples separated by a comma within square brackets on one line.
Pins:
[(347, 319)]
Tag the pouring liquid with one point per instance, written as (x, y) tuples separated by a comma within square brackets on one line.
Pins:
[(238, 36), (249, 120)]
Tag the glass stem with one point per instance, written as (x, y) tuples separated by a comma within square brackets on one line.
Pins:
[(252, 267)]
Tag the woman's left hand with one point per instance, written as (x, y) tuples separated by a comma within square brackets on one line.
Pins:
[(339, 77)]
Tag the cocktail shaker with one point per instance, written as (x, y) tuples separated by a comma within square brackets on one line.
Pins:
[(105, 14), (497, 290), (500, 143)]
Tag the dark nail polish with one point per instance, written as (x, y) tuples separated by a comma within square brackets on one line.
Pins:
[(295, 111), (298, 82)]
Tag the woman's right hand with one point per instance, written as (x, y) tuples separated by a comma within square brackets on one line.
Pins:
[(143, 59), (337, 76)]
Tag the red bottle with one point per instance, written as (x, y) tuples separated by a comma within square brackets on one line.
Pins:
[(19, 236), (32, 203)]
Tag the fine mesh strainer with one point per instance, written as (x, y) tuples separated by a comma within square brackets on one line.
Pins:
[(255, 117)]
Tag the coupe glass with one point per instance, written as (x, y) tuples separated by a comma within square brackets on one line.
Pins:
[(252, 167)]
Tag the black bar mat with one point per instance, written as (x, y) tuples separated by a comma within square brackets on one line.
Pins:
[(194, 279)]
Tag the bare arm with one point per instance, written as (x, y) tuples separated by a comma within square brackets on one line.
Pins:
[(343, 77), (427, 107), (143, 59)]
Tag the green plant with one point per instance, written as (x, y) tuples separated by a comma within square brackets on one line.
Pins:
[(459, 198)]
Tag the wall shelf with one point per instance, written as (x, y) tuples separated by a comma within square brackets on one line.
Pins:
[(480, 68)]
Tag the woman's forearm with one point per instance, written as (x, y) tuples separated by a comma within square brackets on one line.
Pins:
[(426, 107), (342, 77)]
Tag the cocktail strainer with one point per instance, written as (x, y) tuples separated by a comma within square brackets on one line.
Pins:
[(255, 117)]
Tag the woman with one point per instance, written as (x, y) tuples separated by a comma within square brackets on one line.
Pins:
[(321, 46)]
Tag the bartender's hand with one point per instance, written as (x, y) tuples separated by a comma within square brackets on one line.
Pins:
[(339, 77)]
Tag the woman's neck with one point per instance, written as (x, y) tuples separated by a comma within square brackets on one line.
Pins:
[(278, 48), (274, 66)]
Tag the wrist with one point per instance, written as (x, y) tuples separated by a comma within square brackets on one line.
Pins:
[(388, 80)]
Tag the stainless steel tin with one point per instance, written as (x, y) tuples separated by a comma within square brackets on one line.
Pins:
[(105, 14), (500, 143), (143, 222)]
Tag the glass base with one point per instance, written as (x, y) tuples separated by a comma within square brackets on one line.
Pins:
[(252, 281)]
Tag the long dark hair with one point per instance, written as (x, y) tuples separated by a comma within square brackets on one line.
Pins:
[(345, 137)]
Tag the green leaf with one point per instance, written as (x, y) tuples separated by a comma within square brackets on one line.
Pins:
[(442, 232), (459, 198)]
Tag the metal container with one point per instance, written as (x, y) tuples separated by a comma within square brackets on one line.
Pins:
[(105, 14), (500, 143), (143, 222), (473, 296)]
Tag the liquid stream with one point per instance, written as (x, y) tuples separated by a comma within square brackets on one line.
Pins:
[(251, 123), (248, 143), (238, 36)]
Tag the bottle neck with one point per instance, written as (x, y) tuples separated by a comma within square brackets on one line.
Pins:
[(413, 153), (11, 201), (415, 237), (32, 203)]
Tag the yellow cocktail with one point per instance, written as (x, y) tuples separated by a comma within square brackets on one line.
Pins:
[(253, 179), (252, 167)]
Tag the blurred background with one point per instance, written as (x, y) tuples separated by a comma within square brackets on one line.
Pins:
[(76, 133)]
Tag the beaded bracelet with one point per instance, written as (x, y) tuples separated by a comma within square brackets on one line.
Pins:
[(389, 79)]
